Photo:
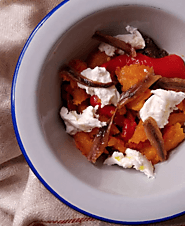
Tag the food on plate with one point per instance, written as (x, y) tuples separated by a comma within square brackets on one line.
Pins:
[(125, 102)]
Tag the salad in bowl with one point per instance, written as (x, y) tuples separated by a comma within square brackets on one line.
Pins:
[(125, 102)]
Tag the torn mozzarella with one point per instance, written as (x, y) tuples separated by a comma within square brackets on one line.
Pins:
[(106, 95), (81, 122), (133, 159), (160, 105)]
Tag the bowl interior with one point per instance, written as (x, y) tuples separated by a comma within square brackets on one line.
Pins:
[(168, 32)]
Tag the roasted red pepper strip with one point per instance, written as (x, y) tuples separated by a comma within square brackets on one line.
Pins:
[(128, 129), (107, 110), (123, 60), (94, 100), (169, 66)]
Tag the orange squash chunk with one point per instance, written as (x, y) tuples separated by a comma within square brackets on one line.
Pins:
[(122, 111), (172, 135), (83, 106), (78, 65), (97, 58), (181, 106), (131, 75), (79, 95), (139, 146), (114, 130), (151, 154), (117, 144), (146, 149), (176, 117), (139, 134), (83, 142), (93, 133), (138, 103)]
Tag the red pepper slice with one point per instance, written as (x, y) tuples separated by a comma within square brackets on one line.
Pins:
[(107, 110), (95, 100), (169, 66), (128, 129)]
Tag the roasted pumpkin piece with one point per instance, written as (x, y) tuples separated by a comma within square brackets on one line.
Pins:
[(97, 58), (150, 153), (173, 135), (70, 105), (64, 89), (146, 149), (139, 134), (79, 95), (155, 160), (181, 106), (138, 103), (83, 106), (83, 142), (176, 117), (78, 65), (131, 75), (117, 144), (73, 84), (93, 133), (122, 110), (114, 130), (139, 147)]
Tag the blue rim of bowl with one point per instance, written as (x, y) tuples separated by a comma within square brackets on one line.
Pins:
[(13, 90)]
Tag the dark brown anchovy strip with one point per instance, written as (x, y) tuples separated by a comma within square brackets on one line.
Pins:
[(137, 89), (101, 140), (175, 84), (83, 80), (154, 135), (115, 42)]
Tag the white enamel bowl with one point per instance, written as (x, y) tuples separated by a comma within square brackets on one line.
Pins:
[(107, 193)]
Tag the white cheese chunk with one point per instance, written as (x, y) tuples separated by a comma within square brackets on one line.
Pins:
[(98, 74), (107, 95), (135, 39), (160, 105), (80, 122), (133, 159)]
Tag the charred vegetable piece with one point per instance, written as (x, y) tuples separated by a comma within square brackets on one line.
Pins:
[(115, 42), (151, 49), (154, 135), (83, 80), (175, 84)]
